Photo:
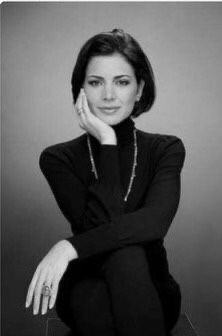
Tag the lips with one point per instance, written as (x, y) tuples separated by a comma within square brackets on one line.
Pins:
[(109, 109)]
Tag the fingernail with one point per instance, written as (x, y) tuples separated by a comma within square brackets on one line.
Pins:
[(43, 312), (26, 305), (35, 312)]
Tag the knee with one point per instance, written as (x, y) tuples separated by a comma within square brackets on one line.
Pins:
[(126, 261)]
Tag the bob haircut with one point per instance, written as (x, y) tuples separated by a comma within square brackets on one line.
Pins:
[(108, 43)]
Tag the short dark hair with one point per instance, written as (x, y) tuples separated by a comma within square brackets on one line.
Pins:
[(117, 41)]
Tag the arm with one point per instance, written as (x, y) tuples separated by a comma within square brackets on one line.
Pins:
[(144, 225), (152, 221), (84, 207)]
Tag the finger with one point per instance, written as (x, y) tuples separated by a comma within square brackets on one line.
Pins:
[(45, 299), (82, 120), (80, 112), (85, 105), (38, 290), (53, 297), (78, 104), (83, 114), (45, 302), (87, 115), (31, 288)]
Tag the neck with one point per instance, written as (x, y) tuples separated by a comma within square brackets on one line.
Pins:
[(123, 131)]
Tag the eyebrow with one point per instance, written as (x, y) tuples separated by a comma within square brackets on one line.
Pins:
[(117, 77)]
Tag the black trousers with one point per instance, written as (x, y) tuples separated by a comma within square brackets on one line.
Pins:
[(122, 293)]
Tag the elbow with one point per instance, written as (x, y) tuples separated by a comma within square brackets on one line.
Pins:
[(163, 225), (167, 221), (163, 229)]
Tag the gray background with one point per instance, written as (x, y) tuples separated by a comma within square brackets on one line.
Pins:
[(40, 42)]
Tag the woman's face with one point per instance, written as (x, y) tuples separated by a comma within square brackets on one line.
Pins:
[(111, 88)]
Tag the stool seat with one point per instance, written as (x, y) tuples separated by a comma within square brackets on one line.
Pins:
[(55, 327)]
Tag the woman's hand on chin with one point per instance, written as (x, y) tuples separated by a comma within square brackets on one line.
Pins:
[(92, 124), (49, 273)]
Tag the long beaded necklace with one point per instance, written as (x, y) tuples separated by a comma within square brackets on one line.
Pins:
[(133, 168)]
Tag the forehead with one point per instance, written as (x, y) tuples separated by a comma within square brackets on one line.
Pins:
[(109, 65)]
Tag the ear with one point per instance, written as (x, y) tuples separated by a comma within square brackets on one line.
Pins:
[(140, 89)]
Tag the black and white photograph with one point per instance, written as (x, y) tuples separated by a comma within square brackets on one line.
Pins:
[(111, 168)]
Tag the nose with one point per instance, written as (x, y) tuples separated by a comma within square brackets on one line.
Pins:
[(108, 92)]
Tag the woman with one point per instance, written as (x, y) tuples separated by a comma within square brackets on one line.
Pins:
[(119, 188)]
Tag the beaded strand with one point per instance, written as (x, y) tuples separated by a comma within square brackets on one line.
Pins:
[(133, 174)]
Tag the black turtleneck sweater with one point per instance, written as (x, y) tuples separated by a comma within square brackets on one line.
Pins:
[(100, 219)]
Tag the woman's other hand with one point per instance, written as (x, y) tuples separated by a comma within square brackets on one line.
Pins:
[(49, 272), (92, 124)]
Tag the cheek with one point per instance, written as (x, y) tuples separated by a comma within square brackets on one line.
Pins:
[(129, 96), (91, 98)]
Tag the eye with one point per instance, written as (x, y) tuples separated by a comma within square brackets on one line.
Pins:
[(123, 82), (94, 82)]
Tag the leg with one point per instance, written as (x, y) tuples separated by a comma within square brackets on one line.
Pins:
[(135, 302), (170, 295), (83, 301)]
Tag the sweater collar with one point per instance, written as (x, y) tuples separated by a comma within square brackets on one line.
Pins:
[(123, 130)]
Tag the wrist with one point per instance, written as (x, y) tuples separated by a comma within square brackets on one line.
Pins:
[(71, 252), (109, 138), (109, 141)]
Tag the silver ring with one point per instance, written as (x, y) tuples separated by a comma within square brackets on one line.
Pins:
[(79, 111), (46, 290)]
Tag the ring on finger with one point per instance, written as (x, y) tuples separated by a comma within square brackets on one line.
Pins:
[(46, 290), (79, 111)]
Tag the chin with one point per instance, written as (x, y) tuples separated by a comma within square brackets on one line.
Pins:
[(112, 119)]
